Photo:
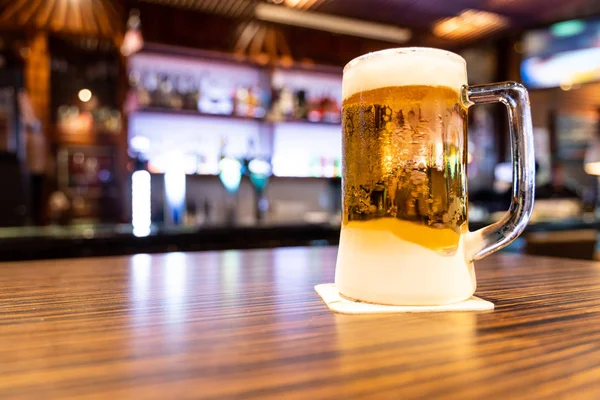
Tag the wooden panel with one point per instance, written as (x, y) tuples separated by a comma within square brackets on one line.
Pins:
[(242, 325), (397, 12), (103, 18), (37, 78), (227, 8), (325, 48), (179, 27), (173, 26), (420, 14)]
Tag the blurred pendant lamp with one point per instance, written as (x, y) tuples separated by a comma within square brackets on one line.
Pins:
[(263, 44), (133, 40), (64, 17)]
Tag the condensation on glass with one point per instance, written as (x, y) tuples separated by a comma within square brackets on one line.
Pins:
[(405, 237)]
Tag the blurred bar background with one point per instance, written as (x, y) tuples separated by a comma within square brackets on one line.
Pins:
[(162, 125)]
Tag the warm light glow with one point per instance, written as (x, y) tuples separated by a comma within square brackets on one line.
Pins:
[(299, 4), (133, 40), (85, 95), (566, 86), (591, 161), (469, 24), (592, 168)]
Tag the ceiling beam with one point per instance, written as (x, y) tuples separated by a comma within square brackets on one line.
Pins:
[(331, 23)]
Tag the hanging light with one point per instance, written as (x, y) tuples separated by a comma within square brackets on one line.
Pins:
[(133, 40), (469, 24), (85, 95)]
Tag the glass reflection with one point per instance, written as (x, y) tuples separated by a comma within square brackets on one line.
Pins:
[(139, 271), (230, 270), (175, 271), (424, 340), (291, 267), (140, 288)]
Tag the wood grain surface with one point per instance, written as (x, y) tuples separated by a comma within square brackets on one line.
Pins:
[(248, 324)]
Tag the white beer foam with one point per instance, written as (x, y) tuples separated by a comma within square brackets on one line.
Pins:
[(378, 267), (403, 67)]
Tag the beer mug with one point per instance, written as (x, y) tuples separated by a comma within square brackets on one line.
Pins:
[(404, 236)]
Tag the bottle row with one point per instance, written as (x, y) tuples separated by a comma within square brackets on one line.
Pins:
[(212, 96), (71, 120)]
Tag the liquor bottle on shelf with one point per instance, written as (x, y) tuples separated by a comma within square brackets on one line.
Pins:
[(141, 97), (301, 111), (164, 91), (324, 107), (150, 84), (252, 103), (259, 171), (314, 110), (275, 113), (188, 90), (330, 109), (286, 103), (255, 107), (241, 102), (261, 99), (176, 98)]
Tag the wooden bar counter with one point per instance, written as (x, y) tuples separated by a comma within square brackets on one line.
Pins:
[(248, 324)]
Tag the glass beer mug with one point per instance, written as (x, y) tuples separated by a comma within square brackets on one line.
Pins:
[(404, 237)]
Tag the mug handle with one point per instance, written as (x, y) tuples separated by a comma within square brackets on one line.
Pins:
[(514, 96)]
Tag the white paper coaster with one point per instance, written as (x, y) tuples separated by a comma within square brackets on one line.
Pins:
[(330, 295)]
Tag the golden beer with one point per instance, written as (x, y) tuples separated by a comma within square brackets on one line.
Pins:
[(404, 238), (404, 164)]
